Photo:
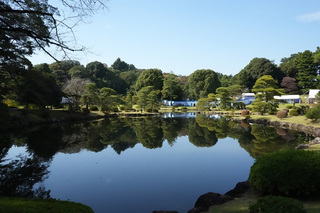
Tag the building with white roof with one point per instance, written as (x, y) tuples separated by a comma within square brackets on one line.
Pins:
[(312, 96)]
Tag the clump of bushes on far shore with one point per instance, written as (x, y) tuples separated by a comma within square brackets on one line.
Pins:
[(291, 173)]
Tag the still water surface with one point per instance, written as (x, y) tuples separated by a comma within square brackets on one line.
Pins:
[(145, 164)]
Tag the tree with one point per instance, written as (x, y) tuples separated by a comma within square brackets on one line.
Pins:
[(307, 72), (202, 82), (130, 78), (265, 88), (143, 98), (26, 26), (207, 103), (108, 99), (289, 84), (224, 95), (288, 67), (256, 69), (150, 77), (78, 71), (122, 66), (38, 88), (35, 24), (90, 95), (171, 87), (74, 89)]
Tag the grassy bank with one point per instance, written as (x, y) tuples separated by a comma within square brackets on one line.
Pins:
[(13, 205), (241, 205)]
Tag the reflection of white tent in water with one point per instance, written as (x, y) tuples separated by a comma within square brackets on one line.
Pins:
[(179, 103)]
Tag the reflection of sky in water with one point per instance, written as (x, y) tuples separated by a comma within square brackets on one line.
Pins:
[(15, 151), (143, 180)]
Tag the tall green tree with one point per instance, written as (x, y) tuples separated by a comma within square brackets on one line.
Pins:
[(122, 66), (150, 77), (266, 88), (256, 69), (224, 95), (108, 99), (90, 95), (202, 82), (38, 88), (143, 97), (288, 67), (171, 88), (307, 71)]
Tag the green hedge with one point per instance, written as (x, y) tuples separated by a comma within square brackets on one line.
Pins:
[(277, 204), (292, 173)]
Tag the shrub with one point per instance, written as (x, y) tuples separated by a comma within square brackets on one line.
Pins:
[(93, 108), (303, 109), (289, 107), (247, 116), (277, 204), (313, 113), (245, 112), (294, 112), (282, 113), (293, 173)]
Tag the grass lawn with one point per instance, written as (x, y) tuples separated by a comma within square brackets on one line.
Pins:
[(15, 205), (241, 205)]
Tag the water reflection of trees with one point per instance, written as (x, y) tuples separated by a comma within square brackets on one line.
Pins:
[(18, 177), (257, 140), (120, 134)]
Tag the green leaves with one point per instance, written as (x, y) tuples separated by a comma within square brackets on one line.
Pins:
[(202, 82)]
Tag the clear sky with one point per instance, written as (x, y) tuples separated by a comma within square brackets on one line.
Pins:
[(183, 35)]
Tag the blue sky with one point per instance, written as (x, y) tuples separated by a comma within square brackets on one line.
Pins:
[(183, 36)]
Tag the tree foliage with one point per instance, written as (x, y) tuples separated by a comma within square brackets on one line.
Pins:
[(207, 103), (202, 82), (307, 72), (108, 99), (265, 88), (74, 89), (289, 84), (150, 77), (256, 69), (172, 88)]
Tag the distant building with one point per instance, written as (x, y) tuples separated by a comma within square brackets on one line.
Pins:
[(312, 96), (179, 103), (247, 95), (289, 98), (247, 98)]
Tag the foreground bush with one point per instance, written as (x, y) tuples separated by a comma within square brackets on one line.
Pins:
[(313, 113), (277, 204), (294, 112), (292, 173)]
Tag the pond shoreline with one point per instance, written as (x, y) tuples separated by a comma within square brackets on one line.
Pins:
[(308, 129)]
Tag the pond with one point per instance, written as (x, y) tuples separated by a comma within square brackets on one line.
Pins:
[(135, 164)]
